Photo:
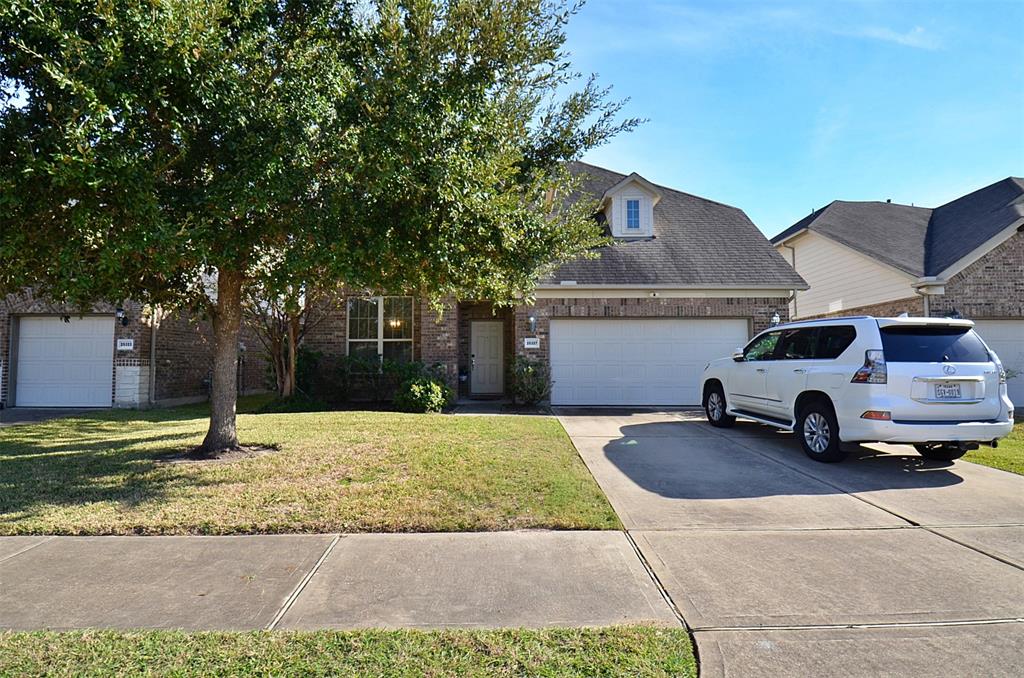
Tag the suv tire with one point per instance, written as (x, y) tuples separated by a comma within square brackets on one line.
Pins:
[(818, 431), (939, 451), (714, 408)]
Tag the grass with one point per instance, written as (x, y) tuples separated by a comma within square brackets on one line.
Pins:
[(619, 651), (335, 472), (1009, 456)]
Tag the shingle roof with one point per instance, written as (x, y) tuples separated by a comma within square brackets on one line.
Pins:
[(697, 242), (918, 240)]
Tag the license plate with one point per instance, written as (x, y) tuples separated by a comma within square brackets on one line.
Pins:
[(947, 392)]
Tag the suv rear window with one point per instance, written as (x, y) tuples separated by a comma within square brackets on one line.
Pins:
[(932, 345)]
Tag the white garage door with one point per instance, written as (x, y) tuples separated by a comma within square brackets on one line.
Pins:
[(636, 361), (1006, 337), (65, 364)]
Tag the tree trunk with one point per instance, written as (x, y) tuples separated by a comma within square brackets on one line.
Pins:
[(227, 323), (293, 356)]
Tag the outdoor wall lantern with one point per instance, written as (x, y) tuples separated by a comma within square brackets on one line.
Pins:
[(776, 319), (122, 316), (533, 323)]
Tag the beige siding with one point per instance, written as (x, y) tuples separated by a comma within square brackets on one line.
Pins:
[(840, 278)]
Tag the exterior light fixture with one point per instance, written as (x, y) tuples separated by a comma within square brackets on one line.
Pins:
[(533, 323), (122, 316), (776, 319)]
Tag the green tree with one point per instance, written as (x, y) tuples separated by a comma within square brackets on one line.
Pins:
[(156, 150)]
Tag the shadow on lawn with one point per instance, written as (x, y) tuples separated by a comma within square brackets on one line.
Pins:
[(95, 458)]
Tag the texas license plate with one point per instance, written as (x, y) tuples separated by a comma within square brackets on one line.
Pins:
[(947, 392)]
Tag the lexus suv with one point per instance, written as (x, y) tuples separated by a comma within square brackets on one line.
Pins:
[(929, 382)]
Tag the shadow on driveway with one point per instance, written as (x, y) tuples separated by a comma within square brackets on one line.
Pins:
[(755, 461)]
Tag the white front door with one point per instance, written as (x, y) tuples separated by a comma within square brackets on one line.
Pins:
[(1006, 338), (637, 361), (65, 364), (486, 347)]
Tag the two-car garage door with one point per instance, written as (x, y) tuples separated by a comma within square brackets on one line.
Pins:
[(637, 361), (64, 364)]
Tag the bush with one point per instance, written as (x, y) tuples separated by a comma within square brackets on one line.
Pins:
[(531, 381), (422, 394)]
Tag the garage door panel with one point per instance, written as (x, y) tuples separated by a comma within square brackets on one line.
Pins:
[(636, 361), (1006, 338), (65, 364)]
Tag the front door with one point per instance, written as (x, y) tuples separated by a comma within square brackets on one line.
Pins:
[(486, 349)]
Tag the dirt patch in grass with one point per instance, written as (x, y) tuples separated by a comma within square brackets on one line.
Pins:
[(197, 456)]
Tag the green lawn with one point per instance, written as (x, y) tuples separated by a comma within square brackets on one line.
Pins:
[(335, 472), (1009, 456), (620, 651)]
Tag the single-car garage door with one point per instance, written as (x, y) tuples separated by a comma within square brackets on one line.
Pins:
[(64, 364), (1006, 338), (637, 361)]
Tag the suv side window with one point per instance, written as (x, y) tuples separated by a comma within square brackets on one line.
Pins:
[(833, 340), (762, 348), (797, 344)]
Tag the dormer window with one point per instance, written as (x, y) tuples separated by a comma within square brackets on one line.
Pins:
[(628, 207), (633, 215)]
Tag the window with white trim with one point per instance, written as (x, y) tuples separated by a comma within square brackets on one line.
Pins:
[(633, 214), (380, 328)]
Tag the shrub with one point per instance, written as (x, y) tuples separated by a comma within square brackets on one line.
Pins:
[(531, 381), (422, 394)]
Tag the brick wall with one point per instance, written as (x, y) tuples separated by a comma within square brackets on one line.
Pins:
[(992, 287), (439, 338), (183, 357), (758, 310)]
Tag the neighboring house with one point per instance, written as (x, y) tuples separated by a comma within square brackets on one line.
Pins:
[(687, 281), (52, 357), (877, 258)]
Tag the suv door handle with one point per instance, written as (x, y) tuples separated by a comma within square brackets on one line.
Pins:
[(761, 369), (800, 370)]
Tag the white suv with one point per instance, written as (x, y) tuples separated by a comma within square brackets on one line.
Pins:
[(929, 382)]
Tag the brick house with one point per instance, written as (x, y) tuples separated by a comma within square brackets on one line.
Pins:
[(878, 258), (687, 280), (50, 356)]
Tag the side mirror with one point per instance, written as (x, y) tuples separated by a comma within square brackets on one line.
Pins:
[(737, 355)]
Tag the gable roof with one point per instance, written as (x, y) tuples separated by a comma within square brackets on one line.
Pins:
[(696, 243), (917, 240)]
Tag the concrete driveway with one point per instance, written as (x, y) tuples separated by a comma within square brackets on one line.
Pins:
[(886, 564)]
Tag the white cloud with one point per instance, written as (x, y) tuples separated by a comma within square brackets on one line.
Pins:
[(916, 37)]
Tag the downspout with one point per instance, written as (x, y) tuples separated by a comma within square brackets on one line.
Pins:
[(927, 305), (154, 322), (792, 263)]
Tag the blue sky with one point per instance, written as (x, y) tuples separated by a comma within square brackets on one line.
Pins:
[(779, 107)]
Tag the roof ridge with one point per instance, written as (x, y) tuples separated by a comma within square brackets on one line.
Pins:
[(661, 186)]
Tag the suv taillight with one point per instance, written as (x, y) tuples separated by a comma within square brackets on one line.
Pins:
[(873, 371)]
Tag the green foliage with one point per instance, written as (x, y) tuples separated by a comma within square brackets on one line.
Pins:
[(393, 145), (396, 145), (422, 394), (531, 380)]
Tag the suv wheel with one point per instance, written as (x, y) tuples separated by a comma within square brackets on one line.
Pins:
[(714, 408), (940, 451), (819, 432)]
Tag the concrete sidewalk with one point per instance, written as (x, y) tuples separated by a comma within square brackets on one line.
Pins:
[(471, 580)]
